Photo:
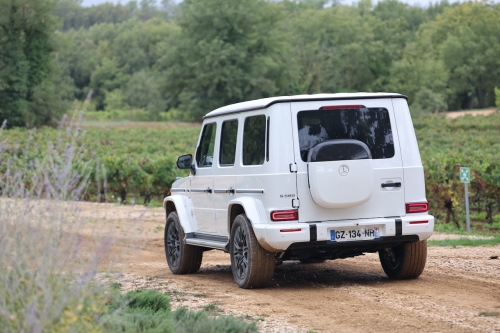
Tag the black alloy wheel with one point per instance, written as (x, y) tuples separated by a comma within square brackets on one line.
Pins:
[(173, 245), (181, 257), (251, 264), (240, 252)]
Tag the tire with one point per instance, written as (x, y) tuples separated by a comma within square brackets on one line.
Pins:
[(181, 258), (405, 261), (252, 265)]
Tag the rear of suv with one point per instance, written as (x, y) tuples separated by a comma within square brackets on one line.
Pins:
[(309, 178)]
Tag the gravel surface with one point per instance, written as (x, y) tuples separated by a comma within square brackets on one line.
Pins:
[(459, 290)]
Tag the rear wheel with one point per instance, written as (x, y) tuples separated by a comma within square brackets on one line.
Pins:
[(252, 265), (181, 258), (405, 261)]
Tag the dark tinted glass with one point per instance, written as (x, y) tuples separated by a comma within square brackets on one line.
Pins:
[(254, 140), (369, 125), (338, 152), (228, 142), (205, 151)]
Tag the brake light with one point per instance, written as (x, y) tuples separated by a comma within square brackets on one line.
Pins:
[(290, 230), (336, 107), (417, 207), (419, 222), (285, 215)]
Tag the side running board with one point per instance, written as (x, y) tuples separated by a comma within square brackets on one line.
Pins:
[(207, 240)]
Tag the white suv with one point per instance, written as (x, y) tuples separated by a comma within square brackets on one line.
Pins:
[(309, 178)]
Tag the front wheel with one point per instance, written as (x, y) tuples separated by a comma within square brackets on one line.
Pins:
[(181, 257), (405, 261), (252, 265)]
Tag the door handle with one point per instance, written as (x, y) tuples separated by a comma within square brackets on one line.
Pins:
[(208, 190), (384, 185), (231, 191)]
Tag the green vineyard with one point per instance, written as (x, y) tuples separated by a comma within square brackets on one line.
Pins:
[(447, 144), (134, 163)]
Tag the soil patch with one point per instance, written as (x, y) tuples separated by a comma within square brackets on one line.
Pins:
[(457, 287)]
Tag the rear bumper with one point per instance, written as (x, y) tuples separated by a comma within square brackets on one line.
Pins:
[(281, 236)]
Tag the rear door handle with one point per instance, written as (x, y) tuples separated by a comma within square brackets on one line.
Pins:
[(208, 190), (384, 185)]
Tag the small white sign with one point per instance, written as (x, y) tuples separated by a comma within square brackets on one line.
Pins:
[(465, 175)]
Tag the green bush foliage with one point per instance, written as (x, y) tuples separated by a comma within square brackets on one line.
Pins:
[(131, 161), (149, 311)]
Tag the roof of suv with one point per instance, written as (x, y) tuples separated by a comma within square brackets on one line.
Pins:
[(265, 102)]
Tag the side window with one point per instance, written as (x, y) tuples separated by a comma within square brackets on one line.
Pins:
[(254, 140), (205, 151), (228, 142)]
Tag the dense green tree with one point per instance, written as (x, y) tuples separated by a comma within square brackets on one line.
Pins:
[(468, 40), (456, 55), (105, 56), (142, 92), (203, 54), (113, 100), (25, 59), (429, 101), (227, 52), (75, 16)]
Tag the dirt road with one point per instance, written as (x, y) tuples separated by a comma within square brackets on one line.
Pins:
[(459, 290), (456, 114)]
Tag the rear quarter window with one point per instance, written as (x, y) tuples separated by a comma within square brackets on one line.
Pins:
[(254, 140), (371, 126)]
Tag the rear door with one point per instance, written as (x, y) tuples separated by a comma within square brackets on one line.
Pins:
[(345, 183)]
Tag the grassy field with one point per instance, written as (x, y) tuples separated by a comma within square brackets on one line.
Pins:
[(465, 242)]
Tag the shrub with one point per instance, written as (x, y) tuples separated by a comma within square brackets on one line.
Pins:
[(149, 311), (427, 101), (45, 276)]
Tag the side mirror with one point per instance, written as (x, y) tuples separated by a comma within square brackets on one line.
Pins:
[(184, 161)]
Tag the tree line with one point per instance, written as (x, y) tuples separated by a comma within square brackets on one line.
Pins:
[(202, 54)]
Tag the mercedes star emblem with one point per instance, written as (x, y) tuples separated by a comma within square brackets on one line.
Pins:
[(344, 170)]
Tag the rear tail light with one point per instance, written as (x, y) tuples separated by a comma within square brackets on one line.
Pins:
[(417, 207), (285, 215), (419, 222), (337, 107), (291, 230)]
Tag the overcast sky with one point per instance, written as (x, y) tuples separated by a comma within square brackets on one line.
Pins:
[(423, 3)]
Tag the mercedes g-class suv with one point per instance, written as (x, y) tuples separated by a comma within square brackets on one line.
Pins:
[(309, 178)]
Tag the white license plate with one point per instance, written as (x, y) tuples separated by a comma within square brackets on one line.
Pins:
[(343, 235)]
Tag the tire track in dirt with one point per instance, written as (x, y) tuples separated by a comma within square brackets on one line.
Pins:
[(352, 295), (349, 295)]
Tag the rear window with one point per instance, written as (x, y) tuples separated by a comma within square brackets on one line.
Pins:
[(371, 126)]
